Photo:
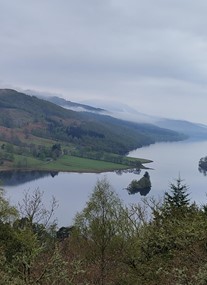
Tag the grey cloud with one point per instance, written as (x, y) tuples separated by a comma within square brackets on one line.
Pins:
[(143, 50)]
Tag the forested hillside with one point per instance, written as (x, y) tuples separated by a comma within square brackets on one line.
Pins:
[(23, 115), (150, 243)]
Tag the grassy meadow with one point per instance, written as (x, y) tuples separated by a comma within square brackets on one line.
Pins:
[(65, 163)]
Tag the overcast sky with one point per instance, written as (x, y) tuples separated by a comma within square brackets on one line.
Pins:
[(150, 54)]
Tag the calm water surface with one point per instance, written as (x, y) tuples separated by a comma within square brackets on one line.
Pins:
[(72, 190)]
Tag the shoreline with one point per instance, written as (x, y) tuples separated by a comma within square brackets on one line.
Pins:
[(79, 165)]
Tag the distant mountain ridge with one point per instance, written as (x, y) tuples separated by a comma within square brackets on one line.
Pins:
[(65, 103), (124, 112), (193, 130)]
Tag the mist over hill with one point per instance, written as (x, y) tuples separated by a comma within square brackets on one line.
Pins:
[(124, 112), (64, 103)]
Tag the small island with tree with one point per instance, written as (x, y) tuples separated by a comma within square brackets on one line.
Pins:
[(202, 165), (142, 186)]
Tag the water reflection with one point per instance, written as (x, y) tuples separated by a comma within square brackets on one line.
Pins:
[(18, 177), (203, 171), (14, 178), (142, 192), (132, 170)]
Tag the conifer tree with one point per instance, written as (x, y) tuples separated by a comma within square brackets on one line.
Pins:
[(178, 197), (175, 203)]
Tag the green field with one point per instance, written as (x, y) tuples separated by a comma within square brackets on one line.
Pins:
[(14, 157), (66, 163)]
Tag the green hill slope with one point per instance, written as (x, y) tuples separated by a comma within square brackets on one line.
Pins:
[(27, 115)]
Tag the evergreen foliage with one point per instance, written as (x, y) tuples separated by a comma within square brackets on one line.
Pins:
[(178, 196)]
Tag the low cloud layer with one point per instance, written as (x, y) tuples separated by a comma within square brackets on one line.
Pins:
[(149, 54)]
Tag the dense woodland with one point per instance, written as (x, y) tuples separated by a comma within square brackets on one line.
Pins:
[(152, 242)]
